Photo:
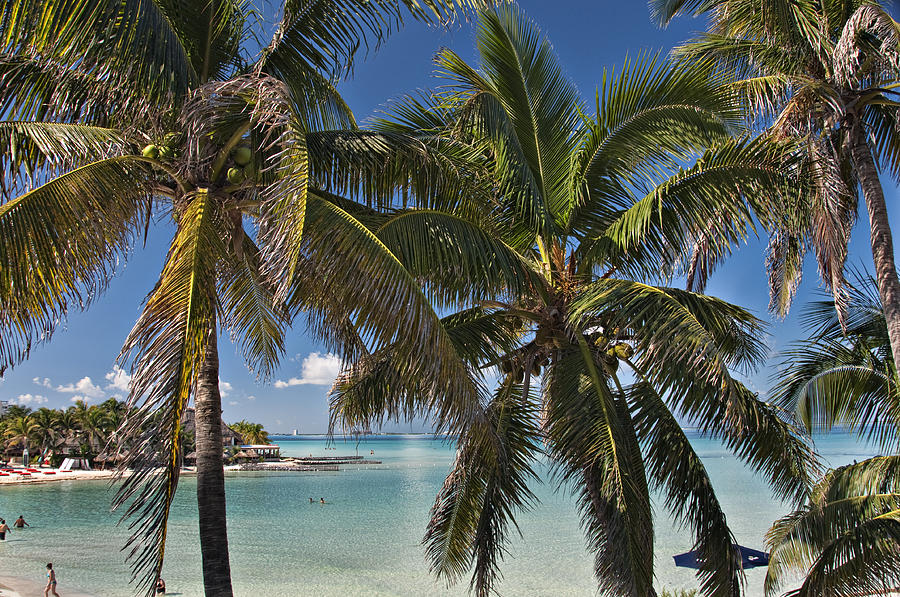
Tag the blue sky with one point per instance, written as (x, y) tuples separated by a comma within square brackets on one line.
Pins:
[(587, 35)]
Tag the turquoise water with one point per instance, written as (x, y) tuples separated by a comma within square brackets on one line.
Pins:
[(366, 539)]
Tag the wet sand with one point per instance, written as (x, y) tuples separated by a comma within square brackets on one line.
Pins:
[(11, 586)]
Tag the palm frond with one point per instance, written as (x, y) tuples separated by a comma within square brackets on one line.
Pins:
[(166, 347), (594, 448), (674, 466), (488, 483), (326, 35), (31, 151), (131, 44), (459, 261), (60, 244), (256, 322), (365, 283)]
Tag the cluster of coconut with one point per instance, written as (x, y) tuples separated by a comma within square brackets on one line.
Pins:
[(164, 150), (243, 167)]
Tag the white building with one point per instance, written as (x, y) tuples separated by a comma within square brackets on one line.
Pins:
[(4, 404)]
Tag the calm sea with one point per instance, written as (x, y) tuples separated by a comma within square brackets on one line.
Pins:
[(367, 539)]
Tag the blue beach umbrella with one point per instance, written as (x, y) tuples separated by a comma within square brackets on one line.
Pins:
[(750, 558)]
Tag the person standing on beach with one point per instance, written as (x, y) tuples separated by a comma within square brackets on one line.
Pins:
[(51, 582), (20, 523), (4, 528)]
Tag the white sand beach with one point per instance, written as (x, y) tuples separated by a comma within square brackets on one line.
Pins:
[(11, 586), (56, 475)]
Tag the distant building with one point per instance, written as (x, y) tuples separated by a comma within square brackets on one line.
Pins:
[(295, 432), (4, 405)]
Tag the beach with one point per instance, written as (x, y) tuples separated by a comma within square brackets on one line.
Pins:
[(20, 587), (366, 540)]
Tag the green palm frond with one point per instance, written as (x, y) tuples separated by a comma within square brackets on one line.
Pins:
[(249, 310), (473, 513), (37, 89), (674, 466), (684, 356), (59, 245), (366, 283), (665, 225), (843, 372), (374, 388), (459, 261), (32, 150), (326, 35), (846, 537), (594, 448), (167, 346), (522, 89), (142, 50)]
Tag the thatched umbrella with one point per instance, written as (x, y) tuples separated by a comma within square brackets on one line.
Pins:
[(242, 454)]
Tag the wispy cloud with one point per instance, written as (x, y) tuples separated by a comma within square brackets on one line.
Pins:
[(44, 383), (317, 370), (85, 399), (224, 388)]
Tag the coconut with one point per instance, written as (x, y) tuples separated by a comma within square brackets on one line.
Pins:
[(235, 175), (623, 350), (242, 155), (166, 152), (151, 151)]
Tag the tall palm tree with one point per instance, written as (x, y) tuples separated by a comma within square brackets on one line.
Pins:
[(845, 540), (127, 110), (554, 272), (826, 73), (251, 433)]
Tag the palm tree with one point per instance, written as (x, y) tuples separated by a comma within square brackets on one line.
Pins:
[(825, 73), (47, 428), (845, 539), (542, 277), (19, 431), (251, 433), (128, 110)]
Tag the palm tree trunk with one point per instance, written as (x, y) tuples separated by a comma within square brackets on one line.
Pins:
[(881, 238), (211, 476)]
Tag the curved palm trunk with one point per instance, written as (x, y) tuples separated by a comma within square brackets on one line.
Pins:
[(211, 476), (881, 238)]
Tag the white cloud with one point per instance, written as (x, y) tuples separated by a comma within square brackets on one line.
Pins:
[(86, 399), (83, 386), (232, 403), (43, 382), (224, 388), (318, 370), (251, 397), (25, 399), (118, 379)]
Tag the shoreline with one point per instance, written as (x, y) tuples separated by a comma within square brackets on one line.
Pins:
[(15, 586)]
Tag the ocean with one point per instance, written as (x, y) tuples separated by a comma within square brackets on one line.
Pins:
[(366, 540)]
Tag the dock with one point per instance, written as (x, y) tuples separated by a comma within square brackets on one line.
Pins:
[(309, 463)]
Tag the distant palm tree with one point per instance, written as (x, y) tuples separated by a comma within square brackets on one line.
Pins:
[(251, 433), (47, 432), (554, 273), (826, 73), (845, 539), (20, 431), (122, 110)]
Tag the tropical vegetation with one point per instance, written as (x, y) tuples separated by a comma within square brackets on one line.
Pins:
[(557, 271), (126, 112), (845, 539), (251, 433), (827, 74)]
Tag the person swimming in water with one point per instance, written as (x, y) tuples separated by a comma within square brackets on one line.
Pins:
[(4, 528), (310, 500), (321, 500), (20, 523)]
